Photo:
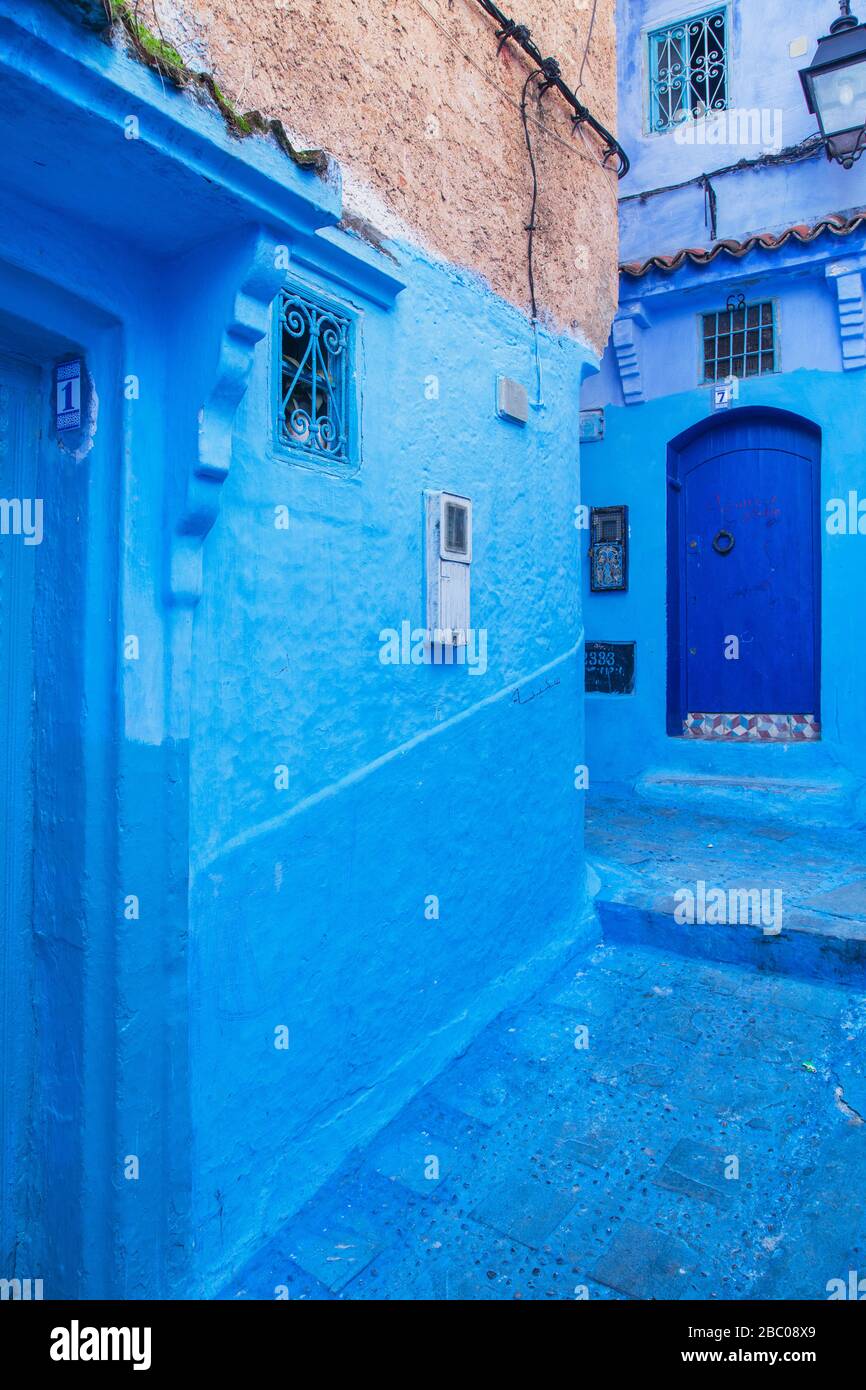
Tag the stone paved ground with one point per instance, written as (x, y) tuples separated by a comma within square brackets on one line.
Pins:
[(706, 1143)]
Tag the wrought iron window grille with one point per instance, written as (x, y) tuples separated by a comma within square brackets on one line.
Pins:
[(314, 355), (688, 70)]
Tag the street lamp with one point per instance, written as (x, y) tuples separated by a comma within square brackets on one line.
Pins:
[(835, 87)]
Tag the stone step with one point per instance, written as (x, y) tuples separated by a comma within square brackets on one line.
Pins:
[(810, 945), (802, 800)]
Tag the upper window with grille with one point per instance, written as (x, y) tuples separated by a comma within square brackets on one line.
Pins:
[(314, 367), (688, 67), (740, 342)]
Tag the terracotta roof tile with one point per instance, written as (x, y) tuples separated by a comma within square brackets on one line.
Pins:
[(835, 222)]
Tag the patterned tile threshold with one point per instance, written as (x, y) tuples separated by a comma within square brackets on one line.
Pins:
[(764, 728)]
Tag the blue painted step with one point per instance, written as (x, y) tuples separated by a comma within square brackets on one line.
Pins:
[(814, 803), (771, 894), (808, 947)]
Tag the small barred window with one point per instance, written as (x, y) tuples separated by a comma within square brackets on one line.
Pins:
[(740, 342)]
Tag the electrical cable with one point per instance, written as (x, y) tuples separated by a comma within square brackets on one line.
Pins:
[(530, 233), (546, 130), (711, 206), (509, 31), (586, 45), (531, 224), (548, 71), (550, 75), (809, 148)]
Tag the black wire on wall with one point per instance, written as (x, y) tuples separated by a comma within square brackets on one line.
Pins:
[(548, 75), (531, 224), (809, 148), (510, 31)]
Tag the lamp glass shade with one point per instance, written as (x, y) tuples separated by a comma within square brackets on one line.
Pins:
[(839, 95)]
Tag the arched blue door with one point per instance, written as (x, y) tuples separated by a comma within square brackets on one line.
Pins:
[(744, 578)]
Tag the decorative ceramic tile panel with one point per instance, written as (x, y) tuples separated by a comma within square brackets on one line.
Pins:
[(745, 728), (607, 570), (608, 552)]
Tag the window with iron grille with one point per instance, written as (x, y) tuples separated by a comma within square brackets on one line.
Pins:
[(740, 342), (688, 66), (314, 359)]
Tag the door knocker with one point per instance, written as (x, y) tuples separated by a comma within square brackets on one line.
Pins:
[(724, 543)]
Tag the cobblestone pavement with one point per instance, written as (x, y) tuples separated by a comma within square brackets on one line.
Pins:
[(705, 1142)]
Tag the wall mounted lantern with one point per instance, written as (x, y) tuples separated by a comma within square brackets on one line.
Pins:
[(835, 87)]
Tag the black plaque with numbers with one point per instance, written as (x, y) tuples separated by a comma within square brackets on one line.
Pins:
[(610, 668)]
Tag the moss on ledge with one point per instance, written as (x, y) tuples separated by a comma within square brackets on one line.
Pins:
[(164, 59)]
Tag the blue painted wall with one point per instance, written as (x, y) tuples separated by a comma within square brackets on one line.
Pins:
[(818, 378), (764, 79), (187, 908), (403, 781)]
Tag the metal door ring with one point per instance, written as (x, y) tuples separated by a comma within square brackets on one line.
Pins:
[(724, 549)]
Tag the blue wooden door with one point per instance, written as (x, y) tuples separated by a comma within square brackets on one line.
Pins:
[(747, 540), (19, 386)]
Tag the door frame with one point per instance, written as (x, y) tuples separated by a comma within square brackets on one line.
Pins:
[(676, 589), (17, 1038), (61, 1204)]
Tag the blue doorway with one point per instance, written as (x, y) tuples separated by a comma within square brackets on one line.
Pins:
[(56, 885), (744, 578), (19, 429)]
